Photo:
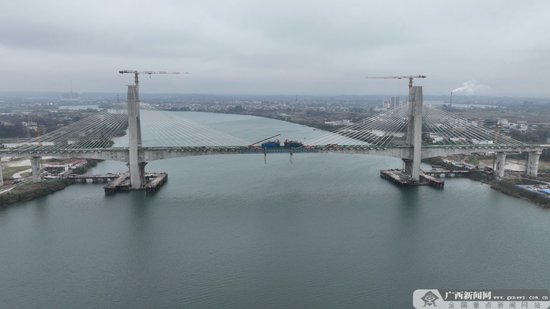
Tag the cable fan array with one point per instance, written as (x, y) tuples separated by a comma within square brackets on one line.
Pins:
[(439, 127), (159, 129), (165, 129), (381, 130), (95, 131), (443, 128)]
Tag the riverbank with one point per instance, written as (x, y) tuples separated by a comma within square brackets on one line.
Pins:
[(28, 191), (31, 190), (506, 186), (509, 187)]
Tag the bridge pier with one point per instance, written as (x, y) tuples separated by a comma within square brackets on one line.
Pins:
[(532, 163), (142, 172), (36, 170), (408, 166), (414, 133), (500, 163)]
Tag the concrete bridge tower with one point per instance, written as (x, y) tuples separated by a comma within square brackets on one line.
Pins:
[(414, 133), (136, 166)]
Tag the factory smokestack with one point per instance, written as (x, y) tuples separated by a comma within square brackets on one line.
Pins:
[(451, 101)]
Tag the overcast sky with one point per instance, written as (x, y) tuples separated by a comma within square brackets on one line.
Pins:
[(277, 47)]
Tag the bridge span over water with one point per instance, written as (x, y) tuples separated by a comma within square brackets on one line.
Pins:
[(410, 132), (160, 153)]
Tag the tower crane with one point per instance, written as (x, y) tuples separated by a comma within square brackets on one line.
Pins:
[(410, 77), (136, 73)]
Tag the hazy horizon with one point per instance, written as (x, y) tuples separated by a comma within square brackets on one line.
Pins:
[(122, 94)]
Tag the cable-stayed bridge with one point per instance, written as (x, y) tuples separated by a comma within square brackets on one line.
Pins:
[(411, 132)]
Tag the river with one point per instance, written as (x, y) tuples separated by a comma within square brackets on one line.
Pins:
[(324, 231)]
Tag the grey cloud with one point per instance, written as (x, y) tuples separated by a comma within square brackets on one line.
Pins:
[(251, 46)]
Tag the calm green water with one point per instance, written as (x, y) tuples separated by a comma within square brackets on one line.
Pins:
[(231, 232)]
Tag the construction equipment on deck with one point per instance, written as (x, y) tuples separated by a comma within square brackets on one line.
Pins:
[(265, 139)]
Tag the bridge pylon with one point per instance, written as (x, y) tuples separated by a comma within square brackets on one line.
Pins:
[(136, 167), (414, 133)]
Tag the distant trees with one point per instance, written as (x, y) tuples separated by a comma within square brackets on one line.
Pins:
[(236, 109), (539, 135), (13, 131)]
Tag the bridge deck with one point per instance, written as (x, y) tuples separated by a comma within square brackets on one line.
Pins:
[(159, 153)]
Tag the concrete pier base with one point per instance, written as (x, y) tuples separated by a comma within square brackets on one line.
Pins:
[(532, 163), (36, 171)]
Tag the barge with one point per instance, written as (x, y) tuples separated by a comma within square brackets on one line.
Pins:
[(153, 182), (399, 177)]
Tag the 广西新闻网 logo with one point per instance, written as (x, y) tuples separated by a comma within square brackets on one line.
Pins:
[(429, 299)]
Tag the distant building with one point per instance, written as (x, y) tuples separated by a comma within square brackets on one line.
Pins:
[(7, 124), (62, 169), (343, 122), (503, 122), (435, 138), (481, 142), (394, 102), (31, 125)]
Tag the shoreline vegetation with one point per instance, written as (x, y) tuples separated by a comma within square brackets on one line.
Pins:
[(508, 187), (31, 190)]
